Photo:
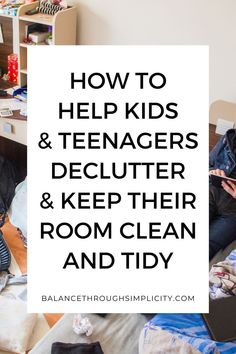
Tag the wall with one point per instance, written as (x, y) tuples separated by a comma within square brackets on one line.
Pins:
[(222, 109), (211, 22)]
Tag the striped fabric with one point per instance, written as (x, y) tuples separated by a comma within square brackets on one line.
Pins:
[(5, 257)]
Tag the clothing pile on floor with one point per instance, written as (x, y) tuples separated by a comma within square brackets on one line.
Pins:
[(16, 325), (223, 277), (19, 330), (187, 333), (116, 333), (7, 279)]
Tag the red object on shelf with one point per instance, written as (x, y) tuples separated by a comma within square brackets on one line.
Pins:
[(12, 68)]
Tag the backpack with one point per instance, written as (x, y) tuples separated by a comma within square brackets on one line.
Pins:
[(8, 179)]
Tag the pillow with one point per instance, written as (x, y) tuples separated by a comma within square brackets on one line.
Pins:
[(16, 325)]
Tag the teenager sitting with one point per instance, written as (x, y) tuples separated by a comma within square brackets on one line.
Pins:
[(222, 203)]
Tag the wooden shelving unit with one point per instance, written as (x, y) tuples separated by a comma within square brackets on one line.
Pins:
[(63, 25), (6, 48), (7, 16)]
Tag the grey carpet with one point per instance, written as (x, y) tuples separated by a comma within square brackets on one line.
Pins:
[(117, 333)]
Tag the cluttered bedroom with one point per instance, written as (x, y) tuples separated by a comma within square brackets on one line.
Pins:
[(80, 22)]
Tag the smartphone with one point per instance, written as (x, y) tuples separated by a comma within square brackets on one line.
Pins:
[(217, 180)]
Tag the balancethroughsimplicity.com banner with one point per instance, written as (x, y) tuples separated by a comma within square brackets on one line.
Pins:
[(118, 186)]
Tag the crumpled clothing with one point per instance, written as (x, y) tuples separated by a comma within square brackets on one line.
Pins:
[(223, 277), (16, 325), (22, 237), (10, 279), (82, 325), (154, 340), (78, 348)]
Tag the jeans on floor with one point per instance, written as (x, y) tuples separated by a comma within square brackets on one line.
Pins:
[(222, 217)]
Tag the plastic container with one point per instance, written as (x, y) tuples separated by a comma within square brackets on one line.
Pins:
[(12, 68)]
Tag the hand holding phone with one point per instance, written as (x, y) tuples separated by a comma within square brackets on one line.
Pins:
[(218, 179)]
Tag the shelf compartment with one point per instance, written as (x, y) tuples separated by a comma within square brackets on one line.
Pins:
[(63, 26), (23, 71), (38, 18), (25, 45)]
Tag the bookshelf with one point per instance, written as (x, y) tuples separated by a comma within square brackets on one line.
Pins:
[(63, 25)]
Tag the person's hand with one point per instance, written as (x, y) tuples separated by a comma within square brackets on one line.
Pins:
[(230, 188), (218, 172)]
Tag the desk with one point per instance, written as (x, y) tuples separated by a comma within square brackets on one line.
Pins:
[(19, 130), (13, 145)]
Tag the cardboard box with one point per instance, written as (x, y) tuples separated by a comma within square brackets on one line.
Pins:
[(38, 37)]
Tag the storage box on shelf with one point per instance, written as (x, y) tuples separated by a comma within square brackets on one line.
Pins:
[(62, 24)]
